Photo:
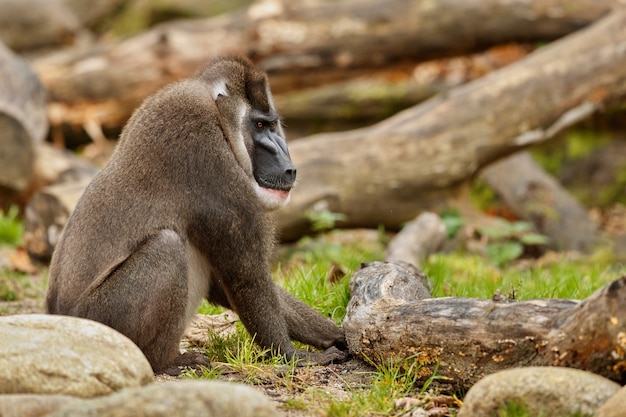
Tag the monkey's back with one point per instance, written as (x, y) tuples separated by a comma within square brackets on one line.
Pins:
[(170, 152)]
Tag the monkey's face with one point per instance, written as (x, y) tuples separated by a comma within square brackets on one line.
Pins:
[(272, 168), (252, 127)]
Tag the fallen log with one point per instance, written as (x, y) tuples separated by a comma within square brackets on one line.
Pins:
[(415, 161), (373, 97), (534, 195), (46, 215), (420, 159), (417, 239), (31, 24), (28, 25), (464, 339), (299, 44), (23, 123), (392, 316)]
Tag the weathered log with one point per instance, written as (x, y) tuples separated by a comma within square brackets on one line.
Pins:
[(534, 195), (373, 97), (419, 159), (23, 120), (464, 339), (30, 24), (45, 217), (59, 166), (409, 163), (417, 239), (299, 44), (93, 12)]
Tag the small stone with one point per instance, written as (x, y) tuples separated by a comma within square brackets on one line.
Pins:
[(32, 405), (550, 391), (49, 354), (186, 398), (615, 406)]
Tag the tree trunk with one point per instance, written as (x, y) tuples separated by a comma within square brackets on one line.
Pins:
[(420, 159), (417, 239), (534, 195), (412, 162), (299, 44), (46, 215), (464, 339), (23, 122)]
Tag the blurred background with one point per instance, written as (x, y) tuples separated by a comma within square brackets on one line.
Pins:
[(505, 118)]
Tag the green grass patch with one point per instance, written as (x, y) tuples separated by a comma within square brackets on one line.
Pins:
[(16, 286), (390, 380), (11, 227), (465, 275), (303, 269)]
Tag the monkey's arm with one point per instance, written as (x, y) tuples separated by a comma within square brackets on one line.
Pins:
[(308, 326), (273, 316)]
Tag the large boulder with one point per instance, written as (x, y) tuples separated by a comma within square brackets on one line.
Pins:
[(49, 354), (614, 407), (33, 405), (187, 398), (541, 390)]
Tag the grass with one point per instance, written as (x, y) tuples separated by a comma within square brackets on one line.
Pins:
[(303, 270), (11, 228), (462, 275)]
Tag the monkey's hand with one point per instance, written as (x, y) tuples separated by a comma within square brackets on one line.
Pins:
[(193, 360), (330, 355)]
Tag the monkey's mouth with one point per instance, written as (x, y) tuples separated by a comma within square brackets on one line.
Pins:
[(276, 193), (275, 187), (273, 197)]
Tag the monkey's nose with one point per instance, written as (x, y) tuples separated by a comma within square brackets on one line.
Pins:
[(290, 175)]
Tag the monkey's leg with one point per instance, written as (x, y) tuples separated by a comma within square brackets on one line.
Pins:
[(145, 298)]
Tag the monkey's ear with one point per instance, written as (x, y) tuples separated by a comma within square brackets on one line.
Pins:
[(219, 89)]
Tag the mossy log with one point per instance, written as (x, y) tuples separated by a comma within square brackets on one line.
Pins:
[(534, 195), (23, 123), (416, 160), (300, 44), (465, 339), (421, 158)]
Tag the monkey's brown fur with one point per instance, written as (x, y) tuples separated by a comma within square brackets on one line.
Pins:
[(180, 213)]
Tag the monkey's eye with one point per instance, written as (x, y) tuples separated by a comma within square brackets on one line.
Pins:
[(259, 125), (272, 125)]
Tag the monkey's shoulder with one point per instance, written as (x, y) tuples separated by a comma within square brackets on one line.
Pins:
[(185, 97)]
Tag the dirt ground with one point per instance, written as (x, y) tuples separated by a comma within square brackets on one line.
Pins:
[(299, 393)]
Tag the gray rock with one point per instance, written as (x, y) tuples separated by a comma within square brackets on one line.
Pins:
[(550, 391), (32, 405), (615, 406), (46, 354), (187, 398)]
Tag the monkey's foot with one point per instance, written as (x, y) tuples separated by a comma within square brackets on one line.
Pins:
[(330, 355), (193, 360)]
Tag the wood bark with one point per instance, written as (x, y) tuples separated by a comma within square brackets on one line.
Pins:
[(534, 195), (420, 159), (392, 317), (46, 215), (60, 178), (23, 120), (29, 25), (299, 44), (464, 339), (417, 239), (412, 162)]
